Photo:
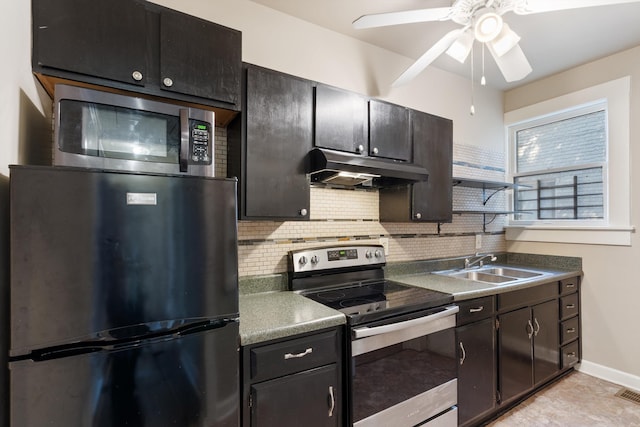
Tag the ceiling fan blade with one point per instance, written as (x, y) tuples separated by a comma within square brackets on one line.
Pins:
[(428, 57), (405, 17), (513, 64), (538, 6)]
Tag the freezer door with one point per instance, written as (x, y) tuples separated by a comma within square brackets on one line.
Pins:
[(188, 382), (101, 255)]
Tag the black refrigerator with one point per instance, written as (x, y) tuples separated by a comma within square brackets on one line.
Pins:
[(123, 299)]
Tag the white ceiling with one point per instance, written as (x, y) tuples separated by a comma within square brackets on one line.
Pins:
[(552, 42)]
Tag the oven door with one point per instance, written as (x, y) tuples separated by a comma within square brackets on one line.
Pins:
[(404, 370)]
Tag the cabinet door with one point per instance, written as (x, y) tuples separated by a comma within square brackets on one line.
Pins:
[(100, 38), (199, 58), (309, 398), (389, 131), (546, 339), (515, 353), (278, 114), (476, 369), (432, 140), (341, 120)]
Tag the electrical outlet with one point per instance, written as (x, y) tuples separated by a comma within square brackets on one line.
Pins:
[(478, 241), (385, 244)]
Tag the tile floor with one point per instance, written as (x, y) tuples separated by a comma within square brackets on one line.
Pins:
[(578, 400)]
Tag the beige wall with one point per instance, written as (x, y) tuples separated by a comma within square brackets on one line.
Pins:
[(611, 287)]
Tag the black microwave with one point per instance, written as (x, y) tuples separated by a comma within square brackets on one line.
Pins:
[(104, 130)]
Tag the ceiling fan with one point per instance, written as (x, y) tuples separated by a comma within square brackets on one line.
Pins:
[(482, 21)]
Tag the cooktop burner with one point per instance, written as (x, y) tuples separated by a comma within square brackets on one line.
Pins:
[(377, 298)]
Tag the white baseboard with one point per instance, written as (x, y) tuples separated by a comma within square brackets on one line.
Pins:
[(609, 374)]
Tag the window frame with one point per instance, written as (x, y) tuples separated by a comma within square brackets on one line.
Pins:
[(617, 229), (552, 117)]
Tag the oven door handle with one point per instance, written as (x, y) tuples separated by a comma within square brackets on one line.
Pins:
[(394, 327)]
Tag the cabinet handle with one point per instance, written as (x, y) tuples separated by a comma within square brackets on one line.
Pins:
[(332, 401), (537, 329), (571, 285), (571, 306), (418, 215), (136, 75), (571, 330), (303, 212), (529, 331), (167, 82), (572, 354), (360, 148), (298, 355), (464, 354), (375, 150), (476, 310)]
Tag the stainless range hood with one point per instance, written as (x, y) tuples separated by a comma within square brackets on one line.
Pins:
[(345, 169)]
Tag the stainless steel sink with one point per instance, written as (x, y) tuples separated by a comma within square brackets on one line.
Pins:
[(492, 274)]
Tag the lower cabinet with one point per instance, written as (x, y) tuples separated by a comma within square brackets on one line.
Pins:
[(512, 343), (294, 382), (477, 360)]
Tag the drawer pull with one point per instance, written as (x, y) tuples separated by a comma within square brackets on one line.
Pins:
[(571, 285), (332, 401), (571, 306), (572, 354), (571, 330), (476, 310), (298, 355)]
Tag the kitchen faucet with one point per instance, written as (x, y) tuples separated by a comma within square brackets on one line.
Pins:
[(480, 260)]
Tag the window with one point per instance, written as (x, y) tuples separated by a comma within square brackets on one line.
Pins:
[(560, 166), (572, 154)]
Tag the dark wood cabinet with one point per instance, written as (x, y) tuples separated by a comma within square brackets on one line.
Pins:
[(137, 46), (389, 131), (477, 360), (293, 382), (529, 347), (268, 146), (340, 120), (431, 200)]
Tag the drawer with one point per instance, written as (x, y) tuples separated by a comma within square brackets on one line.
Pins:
[(475, 309), (570, 354), (569, 330), (295, 355), (568, 306), (516, 299), (569, 286)]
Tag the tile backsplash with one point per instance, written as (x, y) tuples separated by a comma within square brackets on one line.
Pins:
[(349, 216)]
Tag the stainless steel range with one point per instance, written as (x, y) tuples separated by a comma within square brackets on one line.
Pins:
[(401, 341)]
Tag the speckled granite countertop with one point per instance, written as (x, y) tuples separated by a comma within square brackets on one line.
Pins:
[(272, 315), (463, 289), (278, 313)]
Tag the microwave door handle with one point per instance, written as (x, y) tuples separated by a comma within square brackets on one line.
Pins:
[(183, 157), (393, 327)]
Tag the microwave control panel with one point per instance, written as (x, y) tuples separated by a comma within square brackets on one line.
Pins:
[(200, 143)]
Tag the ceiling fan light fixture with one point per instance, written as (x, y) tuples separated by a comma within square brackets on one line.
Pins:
[(487, 27), (505, 41), (460, 49)]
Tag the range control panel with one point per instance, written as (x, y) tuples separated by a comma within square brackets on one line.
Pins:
[(331, 258)]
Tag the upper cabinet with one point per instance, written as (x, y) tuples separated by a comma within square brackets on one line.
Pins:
[(389, 131), (341, 120), (137, 46), (268, 146), (431, 200)]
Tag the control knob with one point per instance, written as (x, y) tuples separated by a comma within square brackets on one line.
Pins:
[(302, 260), (314, 259), (368, 254), (378, 253)]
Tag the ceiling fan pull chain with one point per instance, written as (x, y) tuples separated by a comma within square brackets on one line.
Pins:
[(472, 110), (483, 81)]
